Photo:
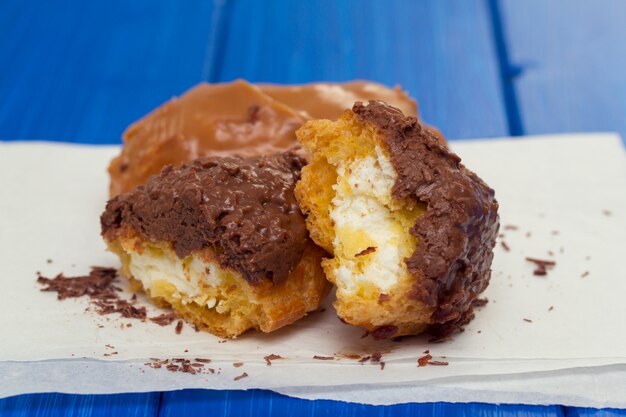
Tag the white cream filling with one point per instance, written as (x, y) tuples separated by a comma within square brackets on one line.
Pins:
[(360, 210), (189, 278)]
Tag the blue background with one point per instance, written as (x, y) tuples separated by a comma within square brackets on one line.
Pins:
[(81, 71)]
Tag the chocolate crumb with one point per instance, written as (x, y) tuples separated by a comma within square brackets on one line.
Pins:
[(322, 310), (528, 234), (607, 213), (179, 327), (376, 357), (202, 360), (270, 358), (423, 361), (551, 308), (540, 272), (554, 232), (49, 261), (364, 359), (364, 335), (426, 351), (98, 286), (584, 274), (480, 302), (382, 366), (505, 246), (479, 331), (237, 364), (541, 261), (550, 253), (324, 358), (528, 320), (237, 378), (163, 319), (384, 297), (370, 249)]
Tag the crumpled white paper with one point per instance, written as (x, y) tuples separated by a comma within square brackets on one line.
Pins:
[(553, 339)]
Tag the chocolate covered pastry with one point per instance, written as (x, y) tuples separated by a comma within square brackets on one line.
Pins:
[(222, 241), (411, 229), (236, 118)]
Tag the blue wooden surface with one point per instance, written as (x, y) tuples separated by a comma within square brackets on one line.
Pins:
[(571, 62), (440, 51), (50, 405), (82, 71)]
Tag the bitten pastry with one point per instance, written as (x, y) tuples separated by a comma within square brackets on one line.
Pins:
[(222, 241), (411, 229)]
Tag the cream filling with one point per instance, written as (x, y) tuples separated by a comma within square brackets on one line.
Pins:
[(190, 277), (362, 218)]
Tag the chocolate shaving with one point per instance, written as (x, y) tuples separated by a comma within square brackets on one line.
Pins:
[(528, 320), (179, 327), (324, 358), (164, 319), (180, 365), (510, 227), (542, 265), (376, 357), (584, 274), (237, 364), (382, 366), (441, 363), (480, 302), (202, 360), (423, 361), (237, 378), (98, 286), (271, 357), (94, 285), (551, 308), (505, 246), (364, 359), (370, 249)]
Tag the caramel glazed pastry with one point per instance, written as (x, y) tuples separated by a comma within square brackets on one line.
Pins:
[(411, 230), (236, 118), (222, 241)]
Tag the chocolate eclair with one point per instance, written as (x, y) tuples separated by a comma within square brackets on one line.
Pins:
[(411, 230), (236, 118), (222, 241)]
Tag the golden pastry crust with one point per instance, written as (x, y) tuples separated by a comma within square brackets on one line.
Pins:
[(342, 143), (230, 306), (366, 200)]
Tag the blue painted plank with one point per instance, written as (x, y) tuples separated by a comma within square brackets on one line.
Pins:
[(594, 412), (51, 405), (83, 70), (441, 51), (259, 403), (572, 59)]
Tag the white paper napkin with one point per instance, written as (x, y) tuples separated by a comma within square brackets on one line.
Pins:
[(562, 198)]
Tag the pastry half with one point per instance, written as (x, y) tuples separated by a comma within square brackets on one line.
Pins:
[(411, 230), (222, 241)]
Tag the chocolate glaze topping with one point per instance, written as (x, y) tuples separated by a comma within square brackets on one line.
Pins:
[(236, 118), (242, 208), (457, 233)]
